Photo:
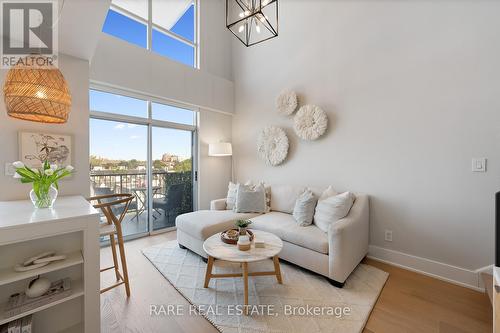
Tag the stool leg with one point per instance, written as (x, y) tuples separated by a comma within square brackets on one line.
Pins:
[(123, 259), (115, 259)]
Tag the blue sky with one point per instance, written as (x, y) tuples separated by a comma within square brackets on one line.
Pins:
[(135, 32), (122, 141), (117, 140)]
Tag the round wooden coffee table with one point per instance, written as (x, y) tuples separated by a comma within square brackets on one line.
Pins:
[(216, 249)]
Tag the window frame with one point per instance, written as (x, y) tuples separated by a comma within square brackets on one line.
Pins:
[(149, 122), (150, 26)]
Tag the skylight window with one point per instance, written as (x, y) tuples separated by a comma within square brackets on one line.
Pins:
[(170, 31)]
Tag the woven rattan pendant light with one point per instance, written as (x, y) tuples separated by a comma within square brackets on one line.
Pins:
[(36, 92)]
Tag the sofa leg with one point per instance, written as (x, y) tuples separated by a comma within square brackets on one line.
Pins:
[(182, 246), (336, 283)]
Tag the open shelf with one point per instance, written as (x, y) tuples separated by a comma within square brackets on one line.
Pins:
[(76, 286), (9, 275)]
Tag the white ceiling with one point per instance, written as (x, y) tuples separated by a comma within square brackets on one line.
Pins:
[(80, 24)]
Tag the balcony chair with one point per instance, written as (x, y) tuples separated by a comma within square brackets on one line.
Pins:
[(171, 202)]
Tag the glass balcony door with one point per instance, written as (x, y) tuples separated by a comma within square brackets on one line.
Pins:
[(172, 175), (146, 148), (118, 164)]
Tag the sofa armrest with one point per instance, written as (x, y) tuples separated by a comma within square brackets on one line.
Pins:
[(348, 239), (218, 204)]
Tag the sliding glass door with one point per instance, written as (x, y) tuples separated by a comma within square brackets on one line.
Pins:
[(148, 149), (172, 175), (118, 161)]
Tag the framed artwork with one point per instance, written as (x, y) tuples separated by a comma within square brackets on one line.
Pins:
[(36, 147)]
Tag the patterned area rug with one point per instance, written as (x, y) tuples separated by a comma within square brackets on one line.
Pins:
[(305, 302)]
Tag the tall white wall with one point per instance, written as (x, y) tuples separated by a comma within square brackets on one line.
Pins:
[(215, 39), (76, 73), (214, 172), (412, 92)]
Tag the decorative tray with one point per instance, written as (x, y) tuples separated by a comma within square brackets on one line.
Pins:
[(230, 237)]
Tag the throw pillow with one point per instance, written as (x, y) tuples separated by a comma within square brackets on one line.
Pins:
[(332, 209), (232, 189), (232, 192), (329, 192), (303, 212), (268, 193), (250, 199)]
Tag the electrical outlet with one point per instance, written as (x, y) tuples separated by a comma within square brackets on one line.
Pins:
[(388, 235), (9, 169)]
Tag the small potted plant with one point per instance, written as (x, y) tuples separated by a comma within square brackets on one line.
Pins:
[(45, 181), (242, 226)]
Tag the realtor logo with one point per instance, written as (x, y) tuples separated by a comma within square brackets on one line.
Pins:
[(28, 28)]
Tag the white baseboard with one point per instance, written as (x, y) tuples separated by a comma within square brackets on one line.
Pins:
[(449, 273)]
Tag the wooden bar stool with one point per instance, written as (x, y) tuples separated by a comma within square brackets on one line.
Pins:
[(113, 205)]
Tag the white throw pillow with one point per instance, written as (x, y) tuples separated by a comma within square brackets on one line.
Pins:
[(329, 192), (303, 212), (232, 190), (268, 193), (332, 208), (250, 199)]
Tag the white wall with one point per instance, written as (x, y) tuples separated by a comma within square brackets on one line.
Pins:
[(215, 39), (412, 92), (75, 72), (214, 172)]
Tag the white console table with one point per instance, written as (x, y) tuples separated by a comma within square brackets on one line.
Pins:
[(70, 228)]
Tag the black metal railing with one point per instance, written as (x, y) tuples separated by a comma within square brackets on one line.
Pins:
[(128, 181)]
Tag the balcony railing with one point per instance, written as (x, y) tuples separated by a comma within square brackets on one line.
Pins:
[(130, 181)]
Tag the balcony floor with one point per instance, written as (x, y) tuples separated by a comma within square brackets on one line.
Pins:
[(132, 224)]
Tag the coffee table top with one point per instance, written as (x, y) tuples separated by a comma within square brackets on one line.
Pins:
[(216, 248)]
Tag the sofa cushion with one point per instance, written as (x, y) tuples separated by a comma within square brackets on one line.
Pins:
[(284, 226), (283, 197), (204, 223)]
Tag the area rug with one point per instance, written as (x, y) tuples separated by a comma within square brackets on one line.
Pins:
[(305, 302)]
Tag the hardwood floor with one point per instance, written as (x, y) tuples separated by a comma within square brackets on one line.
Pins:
[(409, 302), (412, 302)]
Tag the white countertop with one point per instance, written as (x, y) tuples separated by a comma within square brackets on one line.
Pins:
[(22, 212)]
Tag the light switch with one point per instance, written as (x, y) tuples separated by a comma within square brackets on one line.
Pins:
[(479, 164)]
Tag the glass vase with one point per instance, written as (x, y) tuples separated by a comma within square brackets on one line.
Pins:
[(46, 199)]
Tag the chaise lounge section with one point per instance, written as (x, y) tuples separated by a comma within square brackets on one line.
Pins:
[(334, 254)]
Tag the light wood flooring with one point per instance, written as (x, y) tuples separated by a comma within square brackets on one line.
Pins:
[(409, 302)]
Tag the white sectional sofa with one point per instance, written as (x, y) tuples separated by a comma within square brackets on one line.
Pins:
[(334, 254)]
